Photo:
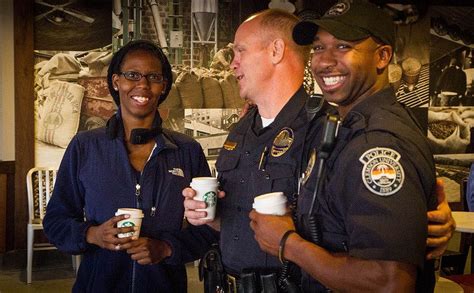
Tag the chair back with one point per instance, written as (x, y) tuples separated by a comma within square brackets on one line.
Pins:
[(39, 182)]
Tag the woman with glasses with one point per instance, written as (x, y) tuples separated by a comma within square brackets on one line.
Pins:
[(131, 163)]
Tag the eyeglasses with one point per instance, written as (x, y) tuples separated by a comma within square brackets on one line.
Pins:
[(136, 76)]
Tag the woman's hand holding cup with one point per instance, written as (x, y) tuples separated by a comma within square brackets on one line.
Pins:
[(105, 235)]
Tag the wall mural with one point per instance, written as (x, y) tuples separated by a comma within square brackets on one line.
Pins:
[(451, 112), (74, 45)]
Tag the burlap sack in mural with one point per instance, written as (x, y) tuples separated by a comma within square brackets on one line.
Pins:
[(173, 101), (61, 66), (223, 58), (58, 118), (213, 97), (467, 115), (174, 74), (189, 89), (97, 64), (447, 132), (230, 90)]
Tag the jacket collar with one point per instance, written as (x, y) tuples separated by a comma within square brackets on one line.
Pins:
[(163, 140)]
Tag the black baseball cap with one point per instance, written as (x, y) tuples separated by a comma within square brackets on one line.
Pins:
[(350, 21)]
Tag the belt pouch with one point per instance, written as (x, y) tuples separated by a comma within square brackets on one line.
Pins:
[(212, 281), (212, 271), (248, 283), (268, 282)]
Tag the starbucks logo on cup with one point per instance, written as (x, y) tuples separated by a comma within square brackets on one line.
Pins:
[(127, 224), (210, 198)]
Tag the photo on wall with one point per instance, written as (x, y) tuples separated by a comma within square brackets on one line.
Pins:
[(79, 72), (450, 130), (409, 68), (72, 25), (452, 49), (210, 128), (451, 136), (451, 112), (71, 95)]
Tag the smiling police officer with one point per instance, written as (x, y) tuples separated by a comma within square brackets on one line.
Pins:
[(370, 216)]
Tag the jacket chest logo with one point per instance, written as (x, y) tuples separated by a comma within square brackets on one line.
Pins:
[(177, 172)]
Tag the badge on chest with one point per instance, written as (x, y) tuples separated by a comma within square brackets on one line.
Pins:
[(282, 142), (310, 166)]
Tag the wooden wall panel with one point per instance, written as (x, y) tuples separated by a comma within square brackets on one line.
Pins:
[(24, 115), (3, 212)]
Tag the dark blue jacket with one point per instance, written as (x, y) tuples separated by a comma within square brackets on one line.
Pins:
[(96, 178)]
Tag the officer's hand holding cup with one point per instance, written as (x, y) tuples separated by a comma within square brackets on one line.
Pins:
[(201, 200), (273, 203)]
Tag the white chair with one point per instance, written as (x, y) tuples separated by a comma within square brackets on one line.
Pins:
[(40, 182)]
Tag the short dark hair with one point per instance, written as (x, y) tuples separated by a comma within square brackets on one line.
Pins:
[(139, 45)]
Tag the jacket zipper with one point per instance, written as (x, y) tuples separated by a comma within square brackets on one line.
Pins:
[(138, 197), (134, 264)]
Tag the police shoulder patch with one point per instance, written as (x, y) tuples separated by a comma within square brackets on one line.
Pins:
[(382, 172)]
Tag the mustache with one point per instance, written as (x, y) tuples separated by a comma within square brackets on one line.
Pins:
[(325, 70)]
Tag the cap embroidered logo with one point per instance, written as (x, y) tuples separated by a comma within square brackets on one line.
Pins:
[(338, 9)]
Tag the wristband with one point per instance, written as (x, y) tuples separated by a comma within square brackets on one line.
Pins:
[(281, 249)]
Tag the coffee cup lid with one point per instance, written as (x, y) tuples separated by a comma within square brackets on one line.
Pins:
[(257, 205), (134, 213), (204, 181), (270, 203), (272, 197)]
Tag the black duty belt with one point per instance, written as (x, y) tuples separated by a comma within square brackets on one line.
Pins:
[(252, 281)]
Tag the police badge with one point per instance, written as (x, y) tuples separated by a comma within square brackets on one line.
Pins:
[(310, 166), (382, 173), (282, 142)]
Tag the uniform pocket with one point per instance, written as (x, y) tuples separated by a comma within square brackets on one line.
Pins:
[(227, 162), (276, 177)]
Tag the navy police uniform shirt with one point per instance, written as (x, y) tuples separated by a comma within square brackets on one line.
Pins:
[(253, 161), (379, 184)]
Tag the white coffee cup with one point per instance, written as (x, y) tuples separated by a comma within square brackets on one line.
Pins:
[(273, 203), (206, 190), (135, 220)]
